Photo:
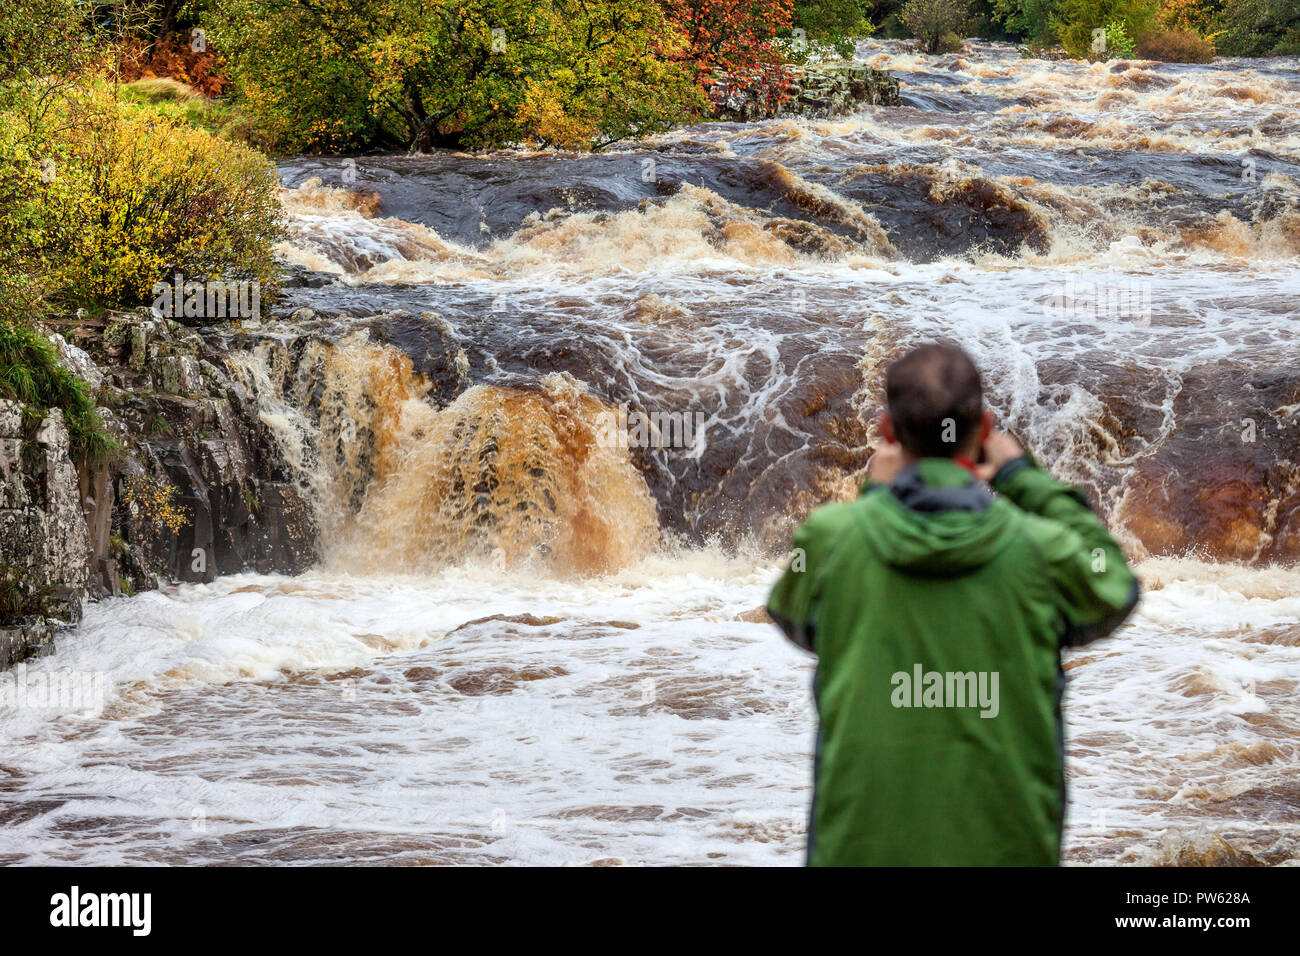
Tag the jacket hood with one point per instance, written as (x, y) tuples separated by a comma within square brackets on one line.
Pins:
[(938, 519)]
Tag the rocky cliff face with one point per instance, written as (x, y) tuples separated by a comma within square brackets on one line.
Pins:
[(44, 545), (197, 490)]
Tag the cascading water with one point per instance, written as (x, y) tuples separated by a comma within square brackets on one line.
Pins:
[(525, 642), (507, 475)]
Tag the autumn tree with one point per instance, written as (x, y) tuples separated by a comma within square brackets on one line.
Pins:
[(342, 74), (733, 43)]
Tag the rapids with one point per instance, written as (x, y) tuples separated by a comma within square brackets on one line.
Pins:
[(526, 643)]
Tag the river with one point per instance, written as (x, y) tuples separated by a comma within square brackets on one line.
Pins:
[(525, 643)]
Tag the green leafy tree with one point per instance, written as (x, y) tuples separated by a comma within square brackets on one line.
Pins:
[(342, 74), (830, 24), (1032, 21), (936, 23), (1259, 28), (47, 49)]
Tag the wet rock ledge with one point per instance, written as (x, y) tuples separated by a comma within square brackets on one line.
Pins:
[(818, 91), (197, 489)]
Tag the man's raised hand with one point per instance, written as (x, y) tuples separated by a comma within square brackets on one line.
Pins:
[(999, 448)]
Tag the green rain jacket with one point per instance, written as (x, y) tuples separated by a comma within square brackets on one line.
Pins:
[(937, 611)]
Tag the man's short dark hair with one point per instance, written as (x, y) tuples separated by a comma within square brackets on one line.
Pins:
[(935, 399)]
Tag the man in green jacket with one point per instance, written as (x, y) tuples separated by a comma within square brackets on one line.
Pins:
[(937, 610)]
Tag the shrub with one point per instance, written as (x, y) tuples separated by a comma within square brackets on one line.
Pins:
[(1288, 45), (1176, 46), (45, 40), (1198, 16), (20, 597), (104, 200), (1119, 45), (1122, 24), (618, 87), (311, 80), (99, 197), (566, 112), (153, 500), (935, 23)]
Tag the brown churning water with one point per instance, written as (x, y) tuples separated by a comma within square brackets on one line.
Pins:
[(527, 642)]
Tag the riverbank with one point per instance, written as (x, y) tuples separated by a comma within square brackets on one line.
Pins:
[(196, 488)]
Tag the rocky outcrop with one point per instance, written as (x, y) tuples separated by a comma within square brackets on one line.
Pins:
[(189, 427), (197, 489), (44, 542), (29, 637), (45, 538), (817, 91)]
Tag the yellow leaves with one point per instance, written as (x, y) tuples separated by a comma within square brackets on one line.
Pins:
[(469, 63), (141, 195), (153, 500), (544, 113)]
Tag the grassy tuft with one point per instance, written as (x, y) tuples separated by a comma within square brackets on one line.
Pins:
[(31, 374)]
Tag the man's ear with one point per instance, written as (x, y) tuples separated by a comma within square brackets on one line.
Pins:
[(986, 426), (886, 427)]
